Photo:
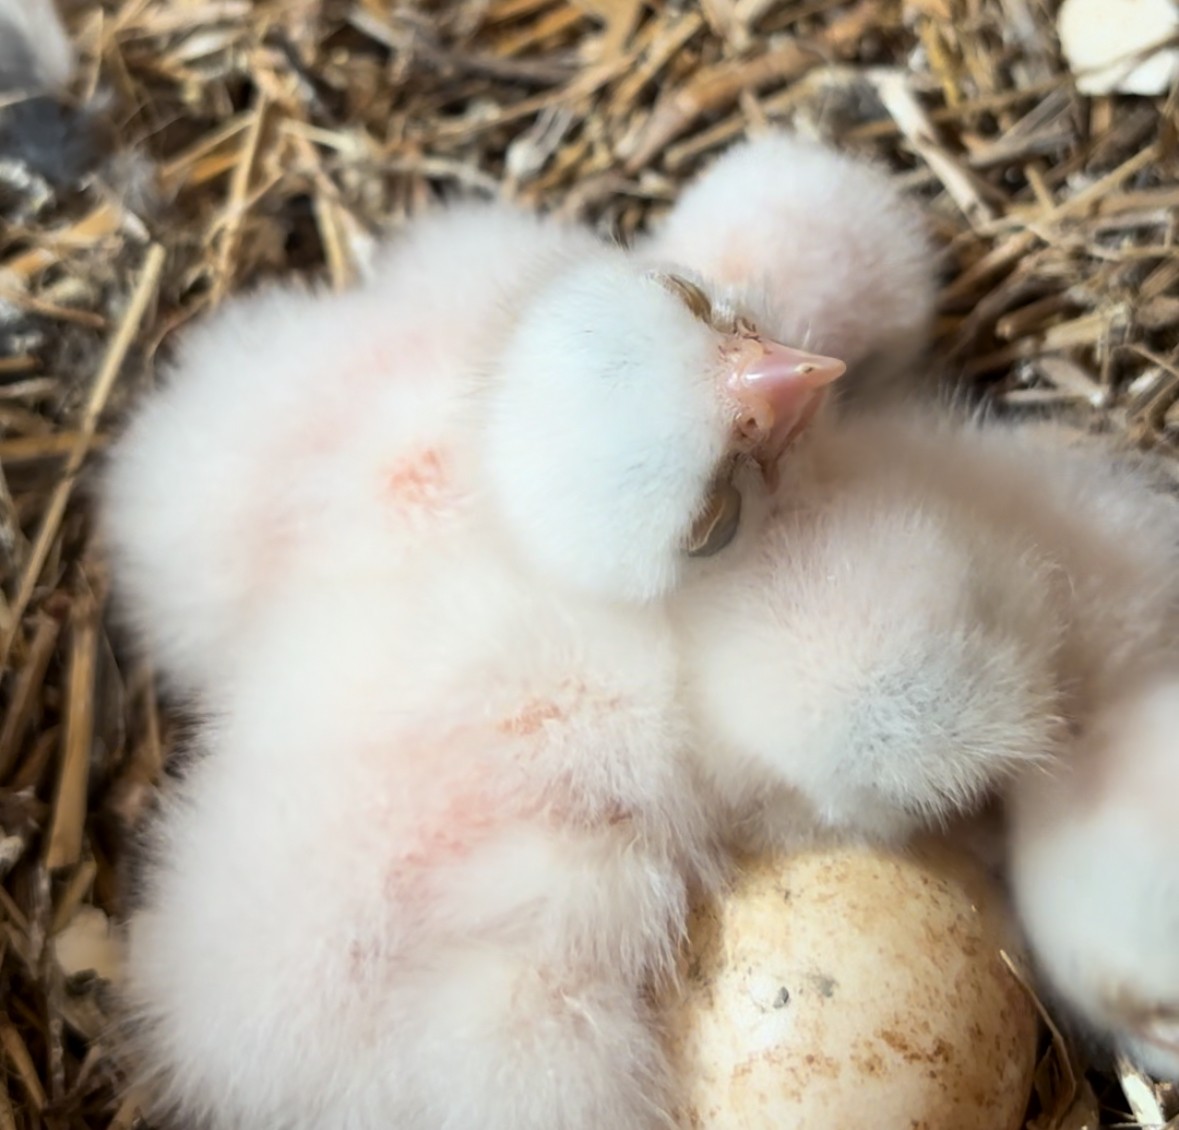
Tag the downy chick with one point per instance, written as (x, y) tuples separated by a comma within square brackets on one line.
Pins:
[(943, 605), (472, 827), (822, 249), (425, 869), (946, 610), (1094, 844), (494, 355), (1092, 838), (885, 656)]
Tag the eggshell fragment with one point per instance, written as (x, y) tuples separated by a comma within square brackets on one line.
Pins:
[(88, 945), (850, 987), (1100, 39)]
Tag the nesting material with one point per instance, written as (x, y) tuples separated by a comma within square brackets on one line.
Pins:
[(285, 137), (836, 982)]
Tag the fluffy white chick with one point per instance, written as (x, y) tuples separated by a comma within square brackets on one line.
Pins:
[(822, 248), (1103, 513), (882, 657), (934, 595), (291, 409), (426, 868), (469, 789), (1093, 851), (636, 424), (910, 633), (1091, 854), (608, 414)]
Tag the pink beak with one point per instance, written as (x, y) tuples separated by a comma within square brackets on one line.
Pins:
[(778, 390)]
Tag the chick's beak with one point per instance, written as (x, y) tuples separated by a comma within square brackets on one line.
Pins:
[(777, 391)]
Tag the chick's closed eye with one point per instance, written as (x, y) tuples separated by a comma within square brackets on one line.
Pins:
[(718, 523), (774, 389)]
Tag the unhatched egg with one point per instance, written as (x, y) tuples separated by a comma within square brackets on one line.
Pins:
[(853, 987)]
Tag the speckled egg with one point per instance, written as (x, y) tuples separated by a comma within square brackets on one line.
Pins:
[(854, 987)]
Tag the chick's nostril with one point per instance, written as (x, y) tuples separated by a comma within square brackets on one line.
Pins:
[(754, 423)]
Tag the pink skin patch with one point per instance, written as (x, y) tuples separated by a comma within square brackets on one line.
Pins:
[(546, 721), (421, 481), (535, 715), (489, 794), (451, 832), (448, 832), (457, 801), (573, 701), (451, 822), (561, 803), (474, 806)]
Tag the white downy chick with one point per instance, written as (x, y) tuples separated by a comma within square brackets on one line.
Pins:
[(883, 657), (292, 416), (635, 425), (933, 596), (1104, 514), (1038, 579), (1092, 849), (1093, 869), (609, 415), (823, 250), (469, 789), (922, 615), (425, 870)]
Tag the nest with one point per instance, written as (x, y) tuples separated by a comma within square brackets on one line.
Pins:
[(216, 142)]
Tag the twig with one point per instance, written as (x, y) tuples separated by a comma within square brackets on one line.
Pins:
[(893, 88), (712, 90), (69, 802), (112, 364)]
